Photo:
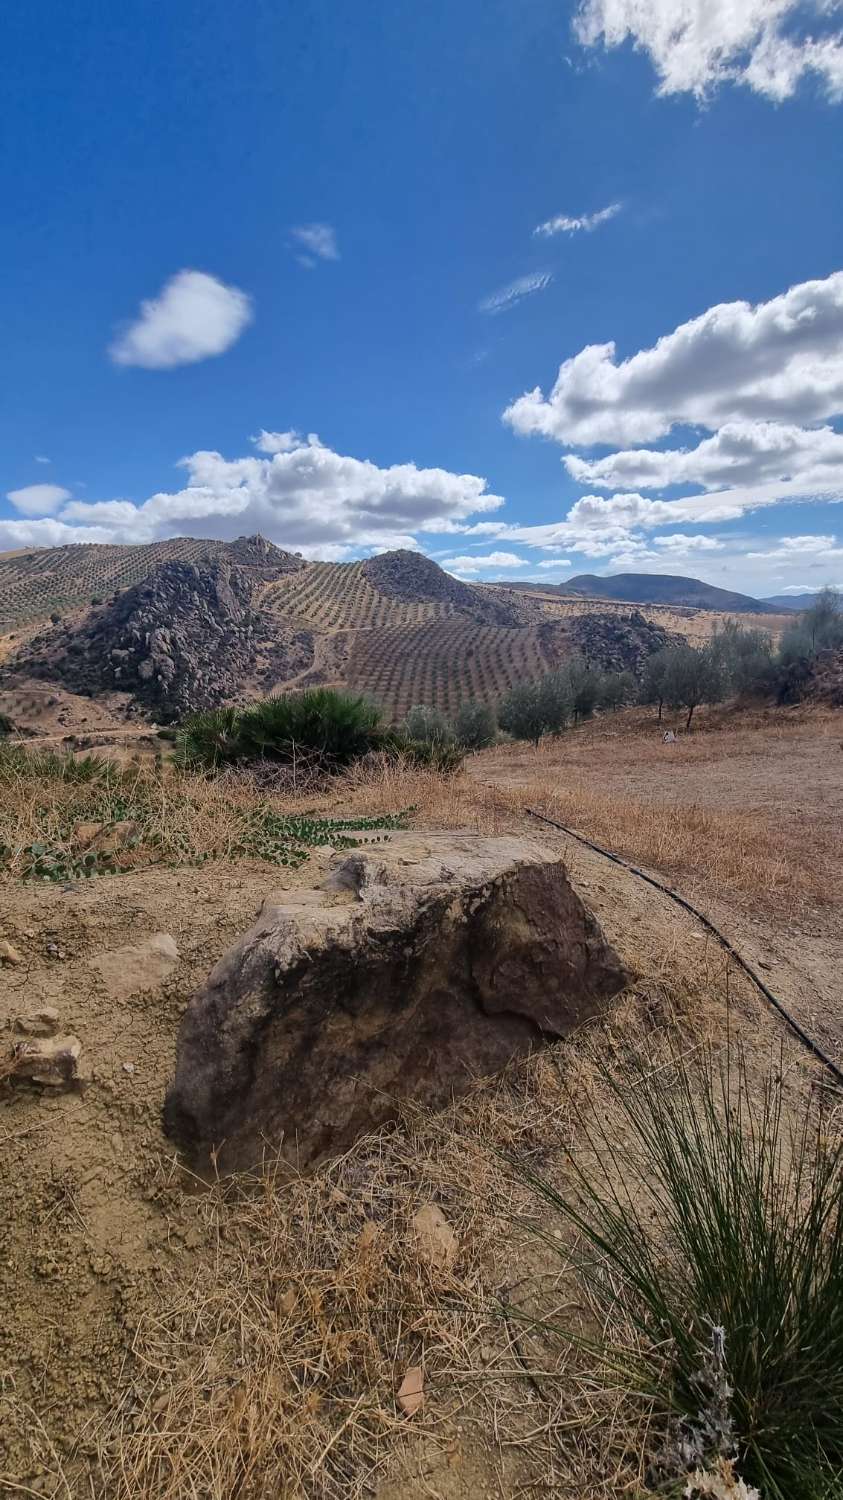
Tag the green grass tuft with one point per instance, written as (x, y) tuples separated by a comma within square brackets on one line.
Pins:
[(717, 1223)]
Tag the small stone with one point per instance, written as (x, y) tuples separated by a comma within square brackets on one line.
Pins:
[(435, 1239), (411, 1391), (41, 1022), (140, 966), (128, 1067), (9, 954), (53, 1061)]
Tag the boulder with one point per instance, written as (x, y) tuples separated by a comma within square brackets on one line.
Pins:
[(415, 969)]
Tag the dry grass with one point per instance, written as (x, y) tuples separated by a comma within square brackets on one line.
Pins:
[(697, 847), (275, 1373)]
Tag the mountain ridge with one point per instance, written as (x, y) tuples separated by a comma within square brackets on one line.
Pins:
[(656, 588)]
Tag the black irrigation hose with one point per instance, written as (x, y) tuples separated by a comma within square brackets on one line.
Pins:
[(805, 1039)]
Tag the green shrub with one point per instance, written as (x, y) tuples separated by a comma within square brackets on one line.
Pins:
[(654, 678), (716, 1228), (211, 738), (581, 687), (475, 726), (427, 725), (745, 656), (521, 713), (532, 709), (434, 755), (330, 727), (338, 727), (617, 689), (693, 675)]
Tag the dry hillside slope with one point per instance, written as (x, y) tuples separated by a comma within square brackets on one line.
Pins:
[(163, 630)]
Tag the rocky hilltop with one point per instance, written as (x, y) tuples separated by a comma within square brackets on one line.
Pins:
[(187, 638), (412, 577)]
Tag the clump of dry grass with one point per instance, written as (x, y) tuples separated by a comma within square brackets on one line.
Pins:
[(277, 1371)]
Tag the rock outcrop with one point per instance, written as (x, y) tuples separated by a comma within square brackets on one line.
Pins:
[(189, 637), (414, 970), (618, 643)]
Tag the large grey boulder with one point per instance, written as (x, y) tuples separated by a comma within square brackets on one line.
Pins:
[(414, 969)]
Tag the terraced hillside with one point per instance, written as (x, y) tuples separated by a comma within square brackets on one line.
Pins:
[(47, 580), (155, 631), (449, 660), (339, 596)]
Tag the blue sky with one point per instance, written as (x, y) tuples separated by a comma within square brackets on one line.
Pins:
[(313, 270)]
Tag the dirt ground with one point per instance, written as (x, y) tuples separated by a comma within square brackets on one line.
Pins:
[(779, 772), (102, 1236)]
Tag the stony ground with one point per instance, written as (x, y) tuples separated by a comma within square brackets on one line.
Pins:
[(103, 1237)]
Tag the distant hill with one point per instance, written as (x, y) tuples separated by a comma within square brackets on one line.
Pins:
[(160, 630), (791, 601), (665, 588)]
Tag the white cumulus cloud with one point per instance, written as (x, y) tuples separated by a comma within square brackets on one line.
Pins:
[(780, 360), (509, 296), (38, 499), (568, 224), (697, 45), (194, 317), (739, 453), (305, 497), (491, 560)]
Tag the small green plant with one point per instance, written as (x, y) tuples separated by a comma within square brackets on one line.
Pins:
[(713, 1223)]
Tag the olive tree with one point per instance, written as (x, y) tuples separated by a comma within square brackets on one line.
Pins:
[(475, 725), (694, 675)]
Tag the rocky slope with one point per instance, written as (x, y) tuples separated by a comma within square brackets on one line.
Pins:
[(187, 638)]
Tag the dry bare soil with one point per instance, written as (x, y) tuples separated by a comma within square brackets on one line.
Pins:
[(161, 1338)]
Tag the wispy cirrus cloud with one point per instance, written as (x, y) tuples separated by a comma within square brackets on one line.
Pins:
[(317, 241), (569, 224), (509, 296)]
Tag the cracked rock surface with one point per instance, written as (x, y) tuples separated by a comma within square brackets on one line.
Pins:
[(412, 971)]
